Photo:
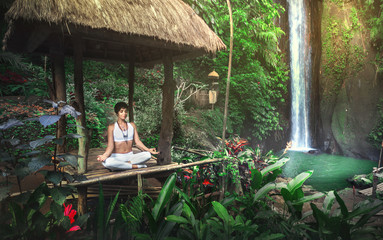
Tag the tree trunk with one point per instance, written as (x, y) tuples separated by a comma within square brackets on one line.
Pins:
[(79, 96), (131, 83), (58, 76), (166, 134)]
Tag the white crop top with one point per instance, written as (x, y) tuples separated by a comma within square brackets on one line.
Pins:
[(121, 136)]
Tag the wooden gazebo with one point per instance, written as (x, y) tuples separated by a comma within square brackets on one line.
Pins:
[(138, 32)]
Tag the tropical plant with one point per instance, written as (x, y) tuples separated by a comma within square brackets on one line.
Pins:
[(343, 223), (158, 227), (29, 159), (27, 217), (102, 228)]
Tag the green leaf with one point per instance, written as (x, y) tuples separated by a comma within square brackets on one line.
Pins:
[(267, 188), (59, 194), (176, 219), (110, 210), (274, 166), (38, 162), (221, 212), (164, 196), (73, 135), (100, 214), (57, 210), (54, 177), (308, 198), (71, 159), (47, 120), (166, 227), (367, 209), (298, 181), (328, 202), (11, 123), (256, 179), (342, 205), (59, 141), (21, 171), (42, 141)]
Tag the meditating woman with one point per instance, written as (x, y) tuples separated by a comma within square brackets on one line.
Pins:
[(118, 154)]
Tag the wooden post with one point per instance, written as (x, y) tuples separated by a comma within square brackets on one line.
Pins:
[(58, 77), (166, 134), (139, 183), (79, 96), (132, 57), (82, 199)]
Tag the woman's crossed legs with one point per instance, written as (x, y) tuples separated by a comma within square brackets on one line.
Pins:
[(123, 161)]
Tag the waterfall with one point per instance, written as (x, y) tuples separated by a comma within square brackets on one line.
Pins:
[(300, 65)]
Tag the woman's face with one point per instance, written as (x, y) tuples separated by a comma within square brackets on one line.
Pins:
[(122, 114)]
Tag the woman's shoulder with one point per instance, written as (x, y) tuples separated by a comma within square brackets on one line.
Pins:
[(133, 124), (111, 126)]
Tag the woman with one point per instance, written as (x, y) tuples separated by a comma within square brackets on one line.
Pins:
[(118, 154)]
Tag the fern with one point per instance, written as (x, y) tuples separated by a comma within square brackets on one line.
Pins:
[(132, 212)]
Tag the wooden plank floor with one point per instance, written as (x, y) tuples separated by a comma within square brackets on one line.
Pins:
[(98, 173)]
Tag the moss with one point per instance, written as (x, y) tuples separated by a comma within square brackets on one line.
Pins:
[(341, 58)]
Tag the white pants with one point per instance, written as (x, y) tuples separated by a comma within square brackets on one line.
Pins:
[(119, 161)]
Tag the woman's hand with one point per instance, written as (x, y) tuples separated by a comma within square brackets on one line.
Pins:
[(153, 151), (101, 158)]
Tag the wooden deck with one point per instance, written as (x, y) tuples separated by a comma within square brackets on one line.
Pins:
[(97, 173)]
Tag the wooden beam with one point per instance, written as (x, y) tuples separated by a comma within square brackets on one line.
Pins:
[(132, 59), (80, 105), (166, 134)]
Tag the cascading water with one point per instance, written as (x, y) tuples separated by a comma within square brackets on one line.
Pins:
[(300, 64)]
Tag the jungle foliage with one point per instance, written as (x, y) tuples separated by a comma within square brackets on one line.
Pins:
[(259, 74)]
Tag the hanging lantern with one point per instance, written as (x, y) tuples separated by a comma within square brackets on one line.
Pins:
[(213, 92)]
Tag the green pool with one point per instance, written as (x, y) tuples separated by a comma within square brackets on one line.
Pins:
[(330, 171)]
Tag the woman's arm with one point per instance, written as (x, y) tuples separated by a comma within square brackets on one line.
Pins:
[(110, 146), (138, 142)]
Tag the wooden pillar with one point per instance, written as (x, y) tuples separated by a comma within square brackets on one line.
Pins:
[(132, 57), (81, 200), (80, 106), (166, 134), (58, 77)]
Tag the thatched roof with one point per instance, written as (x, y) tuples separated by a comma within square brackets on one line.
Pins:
[(170, 22)]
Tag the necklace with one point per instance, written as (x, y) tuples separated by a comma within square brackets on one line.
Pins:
[(123, 130)]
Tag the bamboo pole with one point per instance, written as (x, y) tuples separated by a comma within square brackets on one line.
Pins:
[(222, 180), (142, 171)]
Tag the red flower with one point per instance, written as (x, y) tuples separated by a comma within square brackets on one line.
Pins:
[(207, 183), (69, 212), (74, 228)]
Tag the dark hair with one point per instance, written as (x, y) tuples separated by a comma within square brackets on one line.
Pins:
[(120, 105)]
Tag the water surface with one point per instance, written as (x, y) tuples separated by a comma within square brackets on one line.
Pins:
[(330, 171)]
